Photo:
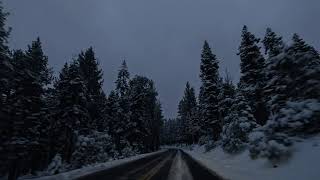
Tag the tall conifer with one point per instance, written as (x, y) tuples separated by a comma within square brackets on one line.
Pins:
[(209, 92)]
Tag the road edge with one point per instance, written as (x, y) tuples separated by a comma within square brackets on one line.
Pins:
[(85, 171), (214, 173)]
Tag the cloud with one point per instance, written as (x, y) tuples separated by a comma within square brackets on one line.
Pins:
[(160, 39)]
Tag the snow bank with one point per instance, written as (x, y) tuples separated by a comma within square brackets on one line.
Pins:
[(303, 165), (94, 168)]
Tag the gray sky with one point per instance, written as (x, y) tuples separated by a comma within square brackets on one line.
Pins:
[(161, 39)]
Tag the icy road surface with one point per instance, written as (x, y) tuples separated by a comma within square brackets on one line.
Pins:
[(172, 164)]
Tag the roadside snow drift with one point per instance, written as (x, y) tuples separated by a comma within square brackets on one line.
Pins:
[(304, 164)]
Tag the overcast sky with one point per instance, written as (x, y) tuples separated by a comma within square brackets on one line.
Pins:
[(161, 39)]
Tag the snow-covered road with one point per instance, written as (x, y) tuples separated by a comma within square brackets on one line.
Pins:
[(171, 164), (179, 169)]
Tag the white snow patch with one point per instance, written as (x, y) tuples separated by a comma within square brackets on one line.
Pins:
[(304, 164)]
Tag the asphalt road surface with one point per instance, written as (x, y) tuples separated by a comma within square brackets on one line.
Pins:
[(172, 164)]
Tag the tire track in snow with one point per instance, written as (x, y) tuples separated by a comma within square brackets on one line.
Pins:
[(179, 169)]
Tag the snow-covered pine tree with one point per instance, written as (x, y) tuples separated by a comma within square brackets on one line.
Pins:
[(96, 147), (92, 76), (295, 105), (111, 111), (6, 76), (94, 144), (252, 74), (6, 68), (308, 61), (237, 125), (44, 74), (273, 43), (39, 62), (187, 112), (142, 99), (29, 139), (209, 91), (299, 68), (182, 117), (122, 90), (273, 47), (226, 97), (136, 128), (122, 83), (72, 118)]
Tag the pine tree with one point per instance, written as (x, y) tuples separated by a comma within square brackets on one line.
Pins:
[(237, 125), (298, 69), (306, 76), (6, 68), (226, 98), (96, 147), (208, 98), (252, 74), (92, 76), (6, 75), (28, 142), (38, 62), (122, 90), (101, 122), (111, 111), (136, 128), (72, 116), (188, 116), (295, 69), (295, 104), (122, 83), (143, 103), (156, 126), (273, 44)]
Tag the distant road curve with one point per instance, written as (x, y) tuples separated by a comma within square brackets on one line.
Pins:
[(172, 164)]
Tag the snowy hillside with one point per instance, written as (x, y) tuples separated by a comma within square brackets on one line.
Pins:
[(302, 165)]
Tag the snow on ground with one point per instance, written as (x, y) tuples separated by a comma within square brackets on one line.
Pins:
[(179, 169), (94, 168), (304, 164)]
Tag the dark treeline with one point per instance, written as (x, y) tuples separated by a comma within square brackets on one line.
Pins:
[(53, 124), (276, 100)]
